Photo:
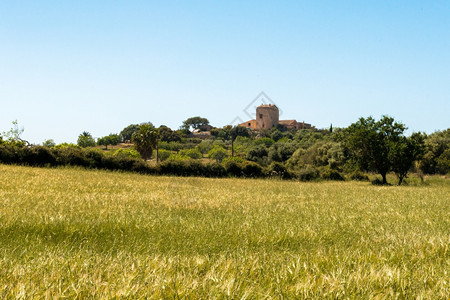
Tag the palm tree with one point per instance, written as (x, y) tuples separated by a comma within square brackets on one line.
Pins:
[(145, 139)]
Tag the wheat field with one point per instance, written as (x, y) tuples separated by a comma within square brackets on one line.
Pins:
[(75, 233)]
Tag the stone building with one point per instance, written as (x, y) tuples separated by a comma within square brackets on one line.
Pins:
[(268, 116), (293, 124)]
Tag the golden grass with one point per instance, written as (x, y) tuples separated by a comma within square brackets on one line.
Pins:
[(76, 233)]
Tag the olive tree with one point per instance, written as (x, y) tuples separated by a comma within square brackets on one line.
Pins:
[(112, 139), (195, 122)]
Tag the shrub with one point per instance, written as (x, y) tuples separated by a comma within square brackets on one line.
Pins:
[(236, 159), (142, 167), (73, 156), (172, 146), (277, 169), (265, 141), (177, 157), (276, 135), (95, 158), (164, 154), (219, 143), (233, 168), (214, 170), (66, 145), (329, 174), (111, 162), (192, 153), (127, 153), (172, 167), (308, 174), (251, 169), (281, 152), (257, 153), (359, 176), (194, 168), (39, 156), (7, 154), (194, 141)]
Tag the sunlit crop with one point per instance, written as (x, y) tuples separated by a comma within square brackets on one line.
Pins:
[(95, 234)]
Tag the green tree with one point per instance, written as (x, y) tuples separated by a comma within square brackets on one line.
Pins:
[(168, 135), (175, 146), (258, 153), (218, 153), (192, 153), (266, 141), (221, 133), (276, 134), (204, 147), (49, 143), (437, 155), (195, 122), (281, 152), (111, 139), (404, 152), (234, 133), (145, 139), (126, 133), (85, 139), (443, 162), (308, 137), (242, 145), (14, 135), (374, 145), (183, 133)]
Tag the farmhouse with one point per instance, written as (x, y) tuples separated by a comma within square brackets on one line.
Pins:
[(268, 116)]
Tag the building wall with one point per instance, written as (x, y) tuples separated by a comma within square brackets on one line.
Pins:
[(267, 116), (249, 124), (304, 125), (292, 124)]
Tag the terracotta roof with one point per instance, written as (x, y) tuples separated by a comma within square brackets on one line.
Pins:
[(245, 124), (249, 121), (287, 121)]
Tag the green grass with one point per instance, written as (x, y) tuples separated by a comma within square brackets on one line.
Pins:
[(94, 234)]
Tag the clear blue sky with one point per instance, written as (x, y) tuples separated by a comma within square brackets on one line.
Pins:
[(70, 66)]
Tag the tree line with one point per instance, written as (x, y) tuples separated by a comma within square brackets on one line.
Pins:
[(367, 145)]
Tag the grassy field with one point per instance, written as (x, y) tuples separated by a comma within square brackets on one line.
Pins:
[(97, 234)]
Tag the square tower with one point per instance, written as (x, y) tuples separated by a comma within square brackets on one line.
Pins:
[(267, 116)]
